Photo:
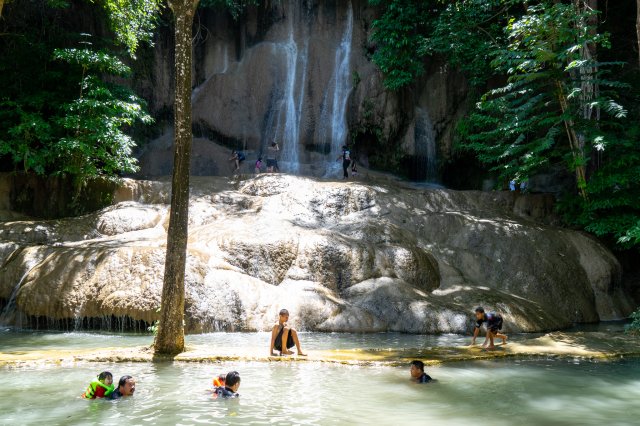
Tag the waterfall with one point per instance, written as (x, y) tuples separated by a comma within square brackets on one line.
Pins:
[(293, 99), (425, 147), (334, 108)]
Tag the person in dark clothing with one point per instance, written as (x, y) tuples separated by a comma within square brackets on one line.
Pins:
[(417, 372), (346, 160), (126, 387), (284, 337), (230, 388), (494, 325)]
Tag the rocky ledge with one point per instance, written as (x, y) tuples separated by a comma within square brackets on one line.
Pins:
[(341, 256)]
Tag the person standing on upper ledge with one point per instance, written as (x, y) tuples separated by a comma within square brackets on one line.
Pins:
[(272, 152), (494, 325), (346, 160), (284, 337)]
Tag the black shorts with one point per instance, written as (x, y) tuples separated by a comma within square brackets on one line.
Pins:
[(271, 163), (495, 327)]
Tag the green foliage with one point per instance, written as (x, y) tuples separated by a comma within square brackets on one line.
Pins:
[(58, 113), (634, 327), (132, 21), (465, 32), (400, 37), (523, 126)]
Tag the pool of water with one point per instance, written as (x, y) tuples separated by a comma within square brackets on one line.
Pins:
[(481, 393), (499, 392)]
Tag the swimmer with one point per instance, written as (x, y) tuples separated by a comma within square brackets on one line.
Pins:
[(417, 372), (284, 337), (101, 387), (230, 388)]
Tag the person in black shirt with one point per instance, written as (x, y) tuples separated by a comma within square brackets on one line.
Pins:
[(494, 325), (230, 388), (417, 372), (126, 387)]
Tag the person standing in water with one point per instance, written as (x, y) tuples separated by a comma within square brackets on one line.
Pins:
[(494, 325), (284, 337), (346, 160)]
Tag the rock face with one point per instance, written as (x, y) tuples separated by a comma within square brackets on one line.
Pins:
[(298, 72), (340, 256)]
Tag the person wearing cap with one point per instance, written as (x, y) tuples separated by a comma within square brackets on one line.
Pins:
[(284, 337), (494, 325)]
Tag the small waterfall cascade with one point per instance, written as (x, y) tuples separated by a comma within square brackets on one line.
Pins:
[(288, 128), (425, 147), (335, 102)]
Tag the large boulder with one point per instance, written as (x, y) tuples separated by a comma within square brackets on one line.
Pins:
[(341, 256)]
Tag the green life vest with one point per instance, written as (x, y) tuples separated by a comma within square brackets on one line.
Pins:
[(91, 390)]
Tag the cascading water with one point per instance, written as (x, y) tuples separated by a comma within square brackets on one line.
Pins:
[(296, 63), (341, 81), (425, 147)]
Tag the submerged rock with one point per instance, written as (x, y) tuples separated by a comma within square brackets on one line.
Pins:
[(340, 256)]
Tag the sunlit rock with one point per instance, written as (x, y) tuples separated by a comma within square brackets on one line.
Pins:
[(340, 256)]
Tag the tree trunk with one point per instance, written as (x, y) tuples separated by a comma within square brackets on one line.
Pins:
[(170, 337)]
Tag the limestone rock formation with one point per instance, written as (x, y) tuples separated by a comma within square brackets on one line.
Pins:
[(300, 73), (341, 256)]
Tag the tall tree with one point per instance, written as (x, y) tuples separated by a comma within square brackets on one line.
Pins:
[(170, 337)]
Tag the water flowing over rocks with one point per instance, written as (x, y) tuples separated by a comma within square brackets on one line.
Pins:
[(340, 256)]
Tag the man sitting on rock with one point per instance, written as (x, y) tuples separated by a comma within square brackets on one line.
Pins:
[(284, 337), (494, 324)]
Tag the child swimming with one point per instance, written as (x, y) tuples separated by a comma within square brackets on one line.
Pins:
[(101, 387)]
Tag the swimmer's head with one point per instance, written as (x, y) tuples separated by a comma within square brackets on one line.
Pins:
[(106, 378), (127, 385), (232, 380), (417, 368)]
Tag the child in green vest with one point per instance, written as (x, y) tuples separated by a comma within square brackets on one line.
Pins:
[(99, 388)]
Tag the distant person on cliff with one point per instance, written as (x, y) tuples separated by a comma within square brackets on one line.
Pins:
[(126, 387), (101, 387), (346, 160), (272, 153), (230, 387), (237, 157), (284, 337), (494, 325), (417, 372), (258, 165)]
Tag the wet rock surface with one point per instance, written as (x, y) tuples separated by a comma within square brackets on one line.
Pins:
[(343, 256)]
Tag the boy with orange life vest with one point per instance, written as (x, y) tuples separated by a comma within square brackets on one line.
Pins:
[(219, 381), (101, 387)]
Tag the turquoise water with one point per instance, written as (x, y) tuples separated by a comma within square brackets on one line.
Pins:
[(482, 393), (542, 392)]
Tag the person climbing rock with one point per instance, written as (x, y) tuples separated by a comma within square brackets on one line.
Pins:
[(494, 325)]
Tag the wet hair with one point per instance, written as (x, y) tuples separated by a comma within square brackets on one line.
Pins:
[(418, 364), (104, 375), (232, 378), (123, 381), (480, 309), (284, 312)]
